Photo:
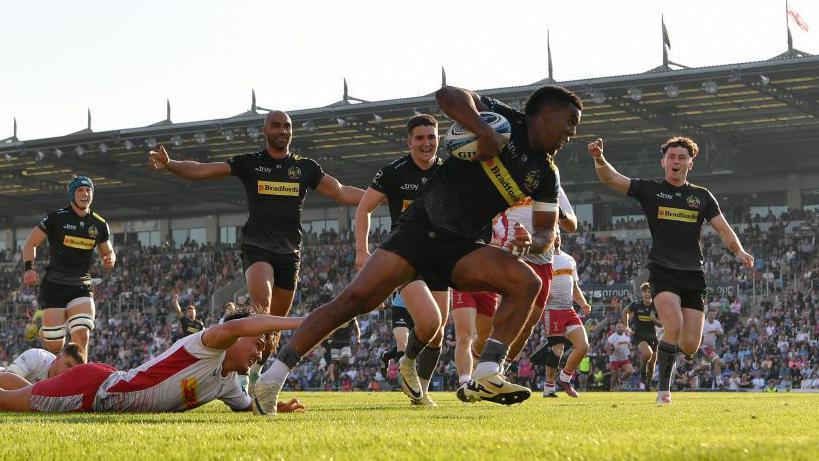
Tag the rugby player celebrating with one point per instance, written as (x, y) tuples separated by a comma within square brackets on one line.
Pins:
[(675, 210)]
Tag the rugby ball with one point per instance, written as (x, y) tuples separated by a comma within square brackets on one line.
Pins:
[(463, 144)]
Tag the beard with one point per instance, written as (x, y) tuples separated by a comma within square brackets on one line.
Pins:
[(278, 145)]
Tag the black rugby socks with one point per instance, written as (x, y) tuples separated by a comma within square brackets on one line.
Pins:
[(666, 359)]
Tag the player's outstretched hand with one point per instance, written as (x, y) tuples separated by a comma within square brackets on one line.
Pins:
[(158, 158), (596, 148), (31, 278), (746, 259), (291, 406)]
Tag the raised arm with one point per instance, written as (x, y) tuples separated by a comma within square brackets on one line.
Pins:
[(224, 335), (160, 160), (176, 306), (330, 187), (730, 239), (369, 202), (607, 174), (463, 107)]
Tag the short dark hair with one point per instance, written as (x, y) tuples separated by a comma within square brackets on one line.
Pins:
[(74, 351), (421, 120), (645, 286), (551, 95), (681, 141)]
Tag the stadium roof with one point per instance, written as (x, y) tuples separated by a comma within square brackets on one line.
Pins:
[(752, 120)]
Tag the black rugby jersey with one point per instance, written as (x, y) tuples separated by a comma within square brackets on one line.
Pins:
[(463, 196), (71, 243), (643, 325), (275, 190), (675, 216), (402, 182), (190, 327)]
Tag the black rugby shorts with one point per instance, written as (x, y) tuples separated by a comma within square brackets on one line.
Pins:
[(431, 251), (637, 338), (688, 285), (285, 266), (55, 295)]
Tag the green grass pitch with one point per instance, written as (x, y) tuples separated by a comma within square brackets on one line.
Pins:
[(383, 426)]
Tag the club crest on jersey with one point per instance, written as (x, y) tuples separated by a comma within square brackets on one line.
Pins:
[(423, 181), (294, 172), (532, 180), (92, 231), (693, 201), (82, 223), (189, 386)]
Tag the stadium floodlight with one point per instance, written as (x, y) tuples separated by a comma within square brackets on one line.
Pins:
[(58, 153), (176, 140), (228, 134), (8, 157), (150, 142), (710, 87), (309, 125), (341, 122), (128, 144), (103, 147), (253, 132), (39, 155), (635, 93), (764, 80), (79, 150), (200, 138), (377, 118), (598, 97), (416, 112), (672, 90)]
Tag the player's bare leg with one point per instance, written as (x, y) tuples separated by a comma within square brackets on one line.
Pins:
[(53, 330), (381, 275), (525, 333), (492, 269), (465, 334), (10, 381), (80, 314), (580, 347), (428, 311)]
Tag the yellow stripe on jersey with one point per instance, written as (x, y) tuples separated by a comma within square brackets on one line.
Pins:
[(406, 204), (677, 214), (97, 216), (563, 271), (644, 318), (79, 242), (278, 188), (502, 179)]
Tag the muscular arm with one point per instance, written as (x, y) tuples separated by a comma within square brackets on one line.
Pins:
[(224, 335), (605, 172), (543, 234), (35, 239), (106, 251), (624, 316), (730, 239), (579, 298), (160, 160), (567, 222), (463, 106), (330, 187), (369, 202)]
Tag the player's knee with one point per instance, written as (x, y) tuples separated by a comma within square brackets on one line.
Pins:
[(80, 324), (552, 359), (582, 347)]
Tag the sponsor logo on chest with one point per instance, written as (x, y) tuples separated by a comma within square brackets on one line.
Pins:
[(410, 187), (677, 214), (278, 188), (665, 196), (69, 227), (80, 243), (562, 271), (263, 169)]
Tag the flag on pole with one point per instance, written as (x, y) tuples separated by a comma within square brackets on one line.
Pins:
[(549, 52), (666, 40), (797, 18)]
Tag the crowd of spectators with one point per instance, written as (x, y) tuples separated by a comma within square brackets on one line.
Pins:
[(768, 313)]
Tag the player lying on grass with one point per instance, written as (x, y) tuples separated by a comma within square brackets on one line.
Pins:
[(35, 365), (195, 370)]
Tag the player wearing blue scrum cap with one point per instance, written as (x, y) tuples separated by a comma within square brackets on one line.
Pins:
[(65, 292)]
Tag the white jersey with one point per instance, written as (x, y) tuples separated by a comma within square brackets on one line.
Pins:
[(564, 276), (503, 227), (709, 333), (620, 347), (187, 375), (32, 365)]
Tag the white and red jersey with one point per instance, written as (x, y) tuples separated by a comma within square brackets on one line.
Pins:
[(710, 330), (620, 350), (32, 365), (503, 227), (564, 276), (187, 375)]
